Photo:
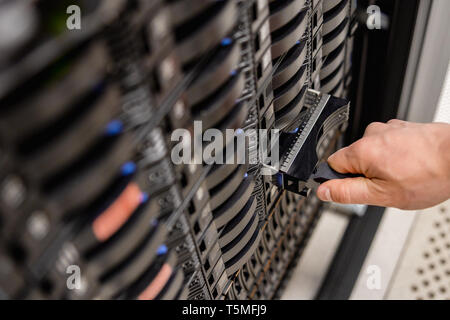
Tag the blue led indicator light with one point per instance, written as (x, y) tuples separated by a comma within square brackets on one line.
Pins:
[(161, 250), (114, 128), (128, 168), (144, 197), (226, 41)]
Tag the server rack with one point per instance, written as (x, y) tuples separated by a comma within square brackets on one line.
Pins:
[(86, 177)]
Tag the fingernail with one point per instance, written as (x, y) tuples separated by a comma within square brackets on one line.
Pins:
[(324, 194)]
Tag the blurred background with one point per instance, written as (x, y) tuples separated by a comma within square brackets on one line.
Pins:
[(92, 206)]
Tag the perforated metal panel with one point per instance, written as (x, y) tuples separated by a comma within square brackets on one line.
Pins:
[(424, 270)]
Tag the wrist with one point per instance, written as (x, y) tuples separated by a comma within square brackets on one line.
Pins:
[(442, 135)]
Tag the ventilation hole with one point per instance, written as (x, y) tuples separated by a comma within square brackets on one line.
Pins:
[(437, 250), (442, 289), (443, 235), (420, 271), (437, 224), (431, 266), (196, 228), (211, 280), (432, 239), (443, 209), (414, 288), (207, 265), (202, 246), (431, 295), (238, 288), (425, 283), (442, 261), (437, 278), (253, 262), (426, 255)]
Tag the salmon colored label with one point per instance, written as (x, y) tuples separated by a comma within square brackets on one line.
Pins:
[(157, 284), (106, 224)]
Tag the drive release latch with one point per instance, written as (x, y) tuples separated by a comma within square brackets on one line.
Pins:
[(301, 150)]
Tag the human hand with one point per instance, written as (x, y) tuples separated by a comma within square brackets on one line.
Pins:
[(405, 165)]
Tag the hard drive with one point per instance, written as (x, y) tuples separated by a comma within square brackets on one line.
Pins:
[(293, 61), (229, 209), (233, 228), (173, 286), (333, 61), (114, 214), (133, 234), (333, 39), (236, 262), (285, 37), (123, 274), (290, 89), (337, 91), (219, 173), (56, 43), (219, 194), (205, 30), (330, 4), (285, 116), (81, 182), (333, 18), (151, 283), (283, 11), (217, 106), (50, 153), (238, 243), (86, 70), (230, 161), (333, 79), (216, 73)]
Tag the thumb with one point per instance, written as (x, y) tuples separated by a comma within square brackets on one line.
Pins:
[(350, 190)]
